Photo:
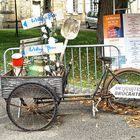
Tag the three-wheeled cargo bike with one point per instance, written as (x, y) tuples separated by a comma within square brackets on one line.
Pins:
[(32, 101)]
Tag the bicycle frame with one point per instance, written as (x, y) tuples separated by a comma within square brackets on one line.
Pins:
[(100, 84), (103, 79)]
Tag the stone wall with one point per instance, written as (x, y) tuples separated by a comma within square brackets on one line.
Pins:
[(1, 21), (24, 10)]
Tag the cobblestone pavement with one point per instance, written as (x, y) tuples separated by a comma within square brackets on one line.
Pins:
[(74, 122)]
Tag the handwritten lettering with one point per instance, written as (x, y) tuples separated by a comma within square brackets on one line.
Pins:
[(35, 49)]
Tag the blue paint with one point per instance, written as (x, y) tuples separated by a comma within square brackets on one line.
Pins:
[(51, 15), (38, 19), (23, 52), (50, 48), (35, 49), (25, 24)]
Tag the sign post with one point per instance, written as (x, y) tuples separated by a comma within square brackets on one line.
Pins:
[(16, 18)]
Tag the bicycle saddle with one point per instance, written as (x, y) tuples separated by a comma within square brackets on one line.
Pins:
[(106, 59)]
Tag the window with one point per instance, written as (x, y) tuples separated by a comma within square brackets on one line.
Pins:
[(69, 6), (4, 6), (35, 2), (74, 6), (138, 5), (47, 5), (80, 6), (91, 5), (36, 9), (95, 6)]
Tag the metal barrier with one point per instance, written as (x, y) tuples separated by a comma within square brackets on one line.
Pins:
[(5, 57), (86, 69), (89, 69)]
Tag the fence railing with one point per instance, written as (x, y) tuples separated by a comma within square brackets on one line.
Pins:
[(86, 67)]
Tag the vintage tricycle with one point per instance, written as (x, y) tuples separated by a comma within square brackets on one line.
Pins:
[(32, 101)]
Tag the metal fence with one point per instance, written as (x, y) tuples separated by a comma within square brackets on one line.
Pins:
[(86, 67)]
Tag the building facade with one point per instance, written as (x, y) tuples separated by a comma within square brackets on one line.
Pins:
[(76, 8), (25, 9), (32, 8)]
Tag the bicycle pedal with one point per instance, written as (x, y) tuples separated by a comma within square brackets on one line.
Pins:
[(94, 110)]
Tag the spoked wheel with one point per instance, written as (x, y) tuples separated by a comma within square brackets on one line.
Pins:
[(31, 107), (87, 25), (125, 77)]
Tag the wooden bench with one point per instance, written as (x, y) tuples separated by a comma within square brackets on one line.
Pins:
[(31, 41)]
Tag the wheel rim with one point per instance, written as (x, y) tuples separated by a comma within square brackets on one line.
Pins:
[(128, 78), (87, 25), (31, 107)]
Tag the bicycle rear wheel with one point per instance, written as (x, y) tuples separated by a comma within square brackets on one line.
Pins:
[(31, 107), (126, 77)]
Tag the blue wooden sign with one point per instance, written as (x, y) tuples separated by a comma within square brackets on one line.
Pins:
[(36, 50), (37, 21)]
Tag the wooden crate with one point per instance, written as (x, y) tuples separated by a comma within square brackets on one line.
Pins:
[(8, 83)]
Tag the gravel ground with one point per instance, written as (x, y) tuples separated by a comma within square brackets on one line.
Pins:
[(74, 122)]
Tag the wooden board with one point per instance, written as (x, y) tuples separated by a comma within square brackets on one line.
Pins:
[(8, 83)]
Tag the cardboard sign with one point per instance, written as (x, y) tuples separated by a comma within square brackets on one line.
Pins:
[(36, 50), (126, 91)]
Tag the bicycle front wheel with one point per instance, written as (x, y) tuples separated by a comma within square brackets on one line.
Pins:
[(127, 76), (31, 107)]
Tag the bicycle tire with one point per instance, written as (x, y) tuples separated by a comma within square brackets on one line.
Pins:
[(129, 76), (31, 107)]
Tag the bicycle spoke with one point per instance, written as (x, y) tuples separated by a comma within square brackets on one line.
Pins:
[(126, 77), (36, 112)]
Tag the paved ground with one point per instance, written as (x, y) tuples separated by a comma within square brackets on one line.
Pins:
[(74, 122)]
